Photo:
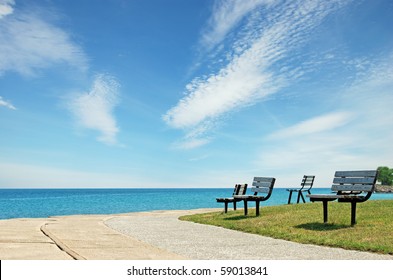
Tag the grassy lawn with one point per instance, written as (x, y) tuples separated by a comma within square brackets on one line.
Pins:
[(303, 223)]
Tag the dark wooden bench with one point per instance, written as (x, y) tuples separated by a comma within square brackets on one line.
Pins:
[(348, 186), (262, 185), (305, 186), (240, 189)]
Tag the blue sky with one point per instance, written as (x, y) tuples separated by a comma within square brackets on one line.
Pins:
[(195, 93)]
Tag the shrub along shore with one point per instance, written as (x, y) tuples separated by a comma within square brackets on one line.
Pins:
[(383, 189), (303, 223)]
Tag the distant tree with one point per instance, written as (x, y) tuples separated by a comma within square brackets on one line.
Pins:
[(385, 175)]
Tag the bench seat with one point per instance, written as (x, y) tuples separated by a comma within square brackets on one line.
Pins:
[(332, 197)]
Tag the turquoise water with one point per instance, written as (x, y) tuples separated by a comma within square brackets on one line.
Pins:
[(34, 203)]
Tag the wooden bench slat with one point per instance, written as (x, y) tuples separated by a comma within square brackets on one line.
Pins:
[(261, 184), (263, 179), (361, 173), (363, 188), (363, 180), (243, 196), (261, 190), (224, 199), (242, 189), (308, 179), (322, 196), (332, 196)]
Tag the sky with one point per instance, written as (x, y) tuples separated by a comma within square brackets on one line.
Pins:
[(196, 93)]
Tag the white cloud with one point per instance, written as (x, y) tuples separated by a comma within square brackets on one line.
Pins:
[(29, 42), (6, 104), (218, 94), (6, 7), (191, 143), (94, 109), (250, 75), (318, 124), (225, 16)]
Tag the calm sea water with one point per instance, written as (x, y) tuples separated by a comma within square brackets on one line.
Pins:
[(34, 203)]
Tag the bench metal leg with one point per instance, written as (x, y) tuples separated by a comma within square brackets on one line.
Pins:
[(245, 208), (234, 205), (257, 207), (300, 195), (310, 193), (290, 196), (225, 206), (353, 213), (325, 211)]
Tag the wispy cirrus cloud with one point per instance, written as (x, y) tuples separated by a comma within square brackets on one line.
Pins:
[(6, 104), (225, 16), (258, 61), (94, 109), (30, 42), (317, 124)]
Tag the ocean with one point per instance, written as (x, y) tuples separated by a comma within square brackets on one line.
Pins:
[(42, 203)]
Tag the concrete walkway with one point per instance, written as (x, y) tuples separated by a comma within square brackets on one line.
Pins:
[(22, 239), (163, 229), (147, 236), (83, 237)]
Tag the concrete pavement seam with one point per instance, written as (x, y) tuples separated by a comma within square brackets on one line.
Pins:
[(60, 244)]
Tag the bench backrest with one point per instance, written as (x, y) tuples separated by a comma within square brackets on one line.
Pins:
[(307, 182), (263, 185), (355, 182), (240, 189)]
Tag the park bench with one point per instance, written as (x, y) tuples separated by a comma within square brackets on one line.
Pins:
[(348, 186), (305, 186), (261, 185), (240, 189)]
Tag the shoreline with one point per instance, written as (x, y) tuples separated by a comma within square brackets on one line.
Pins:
[(48, 203), (111, 214)]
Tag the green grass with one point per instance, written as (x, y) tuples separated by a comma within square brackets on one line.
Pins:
[(303, 223)]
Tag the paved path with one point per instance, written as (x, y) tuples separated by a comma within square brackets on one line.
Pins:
[(146, 236), (22, 239), (72, 237), (163, 229)]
